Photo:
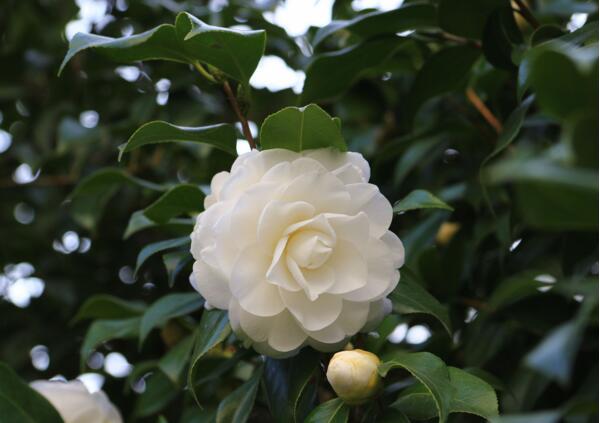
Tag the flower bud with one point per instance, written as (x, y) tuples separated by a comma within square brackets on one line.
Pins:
[(353, 375)]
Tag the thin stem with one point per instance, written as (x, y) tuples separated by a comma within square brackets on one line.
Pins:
[(527, 15), (205, 73), (483, 110), (236, 108)]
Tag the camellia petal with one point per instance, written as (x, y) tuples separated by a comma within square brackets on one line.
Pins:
[(313, 315)]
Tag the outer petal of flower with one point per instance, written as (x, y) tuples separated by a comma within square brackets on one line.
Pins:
[(396, 247), (249, 284), (367, 198), (211, 284), (382, 277), (312, 315), (285, 335)]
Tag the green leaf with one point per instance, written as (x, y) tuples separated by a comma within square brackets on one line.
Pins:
[(175, 263), (138, 222), (445, 71), (514, 289), (299, 129), (500, 36), (221, 136), (166, 308), (238, 405), (555, 355), (430, 371), (332, 411), (235, 53), (103, 306), (91, 196), (160, 391), (287, 384), (19, 403), (104, 330), (410, 297), (212, 330), (157, 247), (407, 17), (511, 129), (420, 199), (184, 198), (550, 196), (537, 417), (174, 361), (563, 77), (466, 18), (330, 74), (470, 395)]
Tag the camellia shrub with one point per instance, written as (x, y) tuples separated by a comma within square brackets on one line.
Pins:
[(411, 236)]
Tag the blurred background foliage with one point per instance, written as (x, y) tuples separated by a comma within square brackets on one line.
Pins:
[(493, 110)]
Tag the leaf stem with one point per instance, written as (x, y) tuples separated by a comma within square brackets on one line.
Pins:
[(527, 15), (236, 108), (483, 110), (205, 73)]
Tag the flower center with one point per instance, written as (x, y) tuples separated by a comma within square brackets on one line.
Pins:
[(309, 249)]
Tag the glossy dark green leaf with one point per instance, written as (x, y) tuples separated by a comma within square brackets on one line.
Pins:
[(431, 371), (287, 384), (212, 330), (238, 405), (166, 308), (513, 290), (19, 403), (555, 355), (535, 417), (330, 74), (332, 411), (91, 196), (299, 129), (466, 18), (103, 306), (104, 330), (420, 199), (138, 222), (180, 199), (236, 53), (548, 195), (159, 392), (500, 36), (175, 360), (470, 395), (445, 71), (408, 17), (409, 297), (175, 263), (511, 129), (580, 133), (158, 247), (563, 77), (221, 136)]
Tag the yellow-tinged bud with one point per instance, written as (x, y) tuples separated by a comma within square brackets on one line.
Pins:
[(446, 232), (353, 375)]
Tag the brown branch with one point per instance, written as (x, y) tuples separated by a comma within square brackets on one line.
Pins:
[(527, 15), (236, 108), (483, 110)]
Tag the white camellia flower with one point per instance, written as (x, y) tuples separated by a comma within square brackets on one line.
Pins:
[(296, 246), (76, 404)]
